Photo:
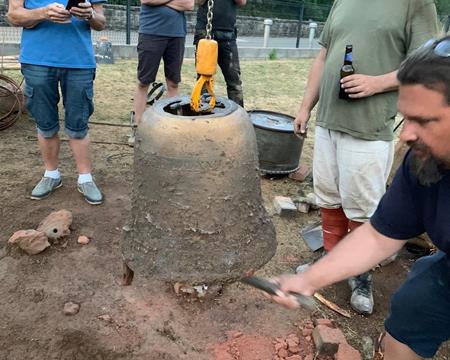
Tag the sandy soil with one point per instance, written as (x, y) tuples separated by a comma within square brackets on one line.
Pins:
[(145, 320)]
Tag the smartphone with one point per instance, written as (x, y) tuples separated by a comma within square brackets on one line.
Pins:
[(73, 3)]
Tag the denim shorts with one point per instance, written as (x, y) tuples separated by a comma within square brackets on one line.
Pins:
[(420, 316), (42, 97)]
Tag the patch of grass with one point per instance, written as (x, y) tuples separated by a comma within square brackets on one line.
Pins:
[(273, 55), (275, 85)]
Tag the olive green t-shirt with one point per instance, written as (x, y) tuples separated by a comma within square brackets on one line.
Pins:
[(382, 33)]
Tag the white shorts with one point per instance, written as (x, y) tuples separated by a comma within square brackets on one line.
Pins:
[(350, 173)]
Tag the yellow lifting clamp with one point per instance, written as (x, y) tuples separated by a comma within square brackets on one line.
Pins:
[(206, 66)]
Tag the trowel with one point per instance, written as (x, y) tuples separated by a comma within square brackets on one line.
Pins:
[(312, 235)]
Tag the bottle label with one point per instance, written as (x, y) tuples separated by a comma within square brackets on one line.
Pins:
[(349, 57)]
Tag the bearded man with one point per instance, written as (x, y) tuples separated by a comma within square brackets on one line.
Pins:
[(418, 201)]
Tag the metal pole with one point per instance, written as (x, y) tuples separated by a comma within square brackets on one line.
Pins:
[(447, 25), (128, 22), (300, 21)]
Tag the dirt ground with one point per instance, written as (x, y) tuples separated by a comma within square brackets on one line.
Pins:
[(145, 320)]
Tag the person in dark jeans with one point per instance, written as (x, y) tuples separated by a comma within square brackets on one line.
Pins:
[(224, 32)]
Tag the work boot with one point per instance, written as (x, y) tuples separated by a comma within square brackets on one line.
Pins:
[(45, 187), (303, 267), (362, 297), (91, 192)]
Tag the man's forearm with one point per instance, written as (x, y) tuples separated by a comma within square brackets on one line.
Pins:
[(27, 18), (360, 251), (98, 20), (389, 82), (312, 90), (155, 2), (181, 5), (240, 2)]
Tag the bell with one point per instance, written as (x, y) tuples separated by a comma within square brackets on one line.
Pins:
[(197, 214)]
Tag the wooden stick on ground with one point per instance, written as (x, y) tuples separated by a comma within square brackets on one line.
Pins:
[(332, 306)]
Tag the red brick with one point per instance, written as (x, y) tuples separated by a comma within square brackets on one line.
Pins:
[(327, 340), (346, 352)]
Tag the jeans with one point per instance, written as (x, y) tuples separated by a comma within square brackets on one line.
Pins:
[(42, 98)]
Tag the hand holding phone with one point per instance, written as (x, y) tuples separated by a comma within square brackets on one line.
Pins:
[(82, 10), (73, 3)]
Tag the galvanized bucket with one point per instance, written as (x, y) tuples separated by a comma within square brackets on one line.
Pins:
[(279, 149)]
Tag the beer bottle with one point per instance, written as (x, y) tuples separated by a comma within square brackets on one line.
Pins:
[(346, 70)]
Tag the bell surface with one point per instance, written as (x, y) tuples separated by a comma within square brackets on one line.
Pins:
[(197, 214)]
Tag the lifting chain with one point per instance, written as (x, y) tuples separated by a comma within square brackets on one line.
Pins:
[(209, 18), (206, 66)]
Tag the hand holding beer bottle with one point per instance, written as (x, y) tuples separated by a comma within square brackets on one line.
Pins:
[(346, 70)]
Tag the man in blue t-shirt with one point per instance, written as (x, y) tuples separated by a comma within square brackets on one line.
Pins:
[(56, 51), (162, 33), (418, 201)]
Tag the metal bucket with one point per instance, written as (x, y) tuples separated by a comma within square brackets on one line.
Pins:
[(279, 149)]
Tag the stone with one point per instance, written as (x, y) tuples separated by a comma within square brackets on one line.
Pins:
[(284, 205), (71, 308), (105, 317), (283, 353), (309, 357), (368, 348), (303, 207), (56, 225), (295, 349), (31, 241), (347, 352), (301, 173), (294, 357), (307, 332), (83, 240), (327, 340)]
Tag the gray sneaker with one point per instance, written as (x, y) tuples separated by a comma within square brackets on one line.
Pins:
[(45, 187), (303, 267), (362, 297), (91, 193)]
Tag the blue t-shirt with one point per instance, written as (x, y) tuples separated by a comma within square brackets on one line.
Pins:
[(408, 209), (57, 45), (162, 21)]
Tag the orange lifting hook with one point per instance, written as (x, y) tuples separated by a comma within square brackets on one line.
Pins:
[(206, 66)]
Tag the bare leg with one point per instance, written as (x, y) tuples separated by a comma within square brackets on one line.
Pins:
[(395, 350), (140, 101), (127, 275), (50, 151), (172, 88), (80, 149)]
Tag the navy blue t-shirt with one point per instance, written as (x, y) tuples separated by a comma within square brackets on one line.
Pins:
[(408, 209), (162, 21)]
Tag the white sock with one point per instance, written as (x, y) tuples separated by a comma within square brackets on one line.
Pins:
[(84, 178), (53, 174)]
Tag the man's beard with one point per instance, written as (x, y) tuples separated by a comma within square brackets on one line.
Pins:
[(428, 168)]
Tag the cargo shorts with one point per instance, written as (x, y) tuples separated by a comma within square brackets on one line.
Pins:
[(42, 97)]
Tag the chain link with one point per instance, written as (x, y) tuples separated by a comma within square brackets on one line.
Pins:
[(209, 19)]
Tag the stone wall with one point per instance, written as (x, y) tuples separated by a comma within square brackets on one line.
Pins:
[(247, 26)]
